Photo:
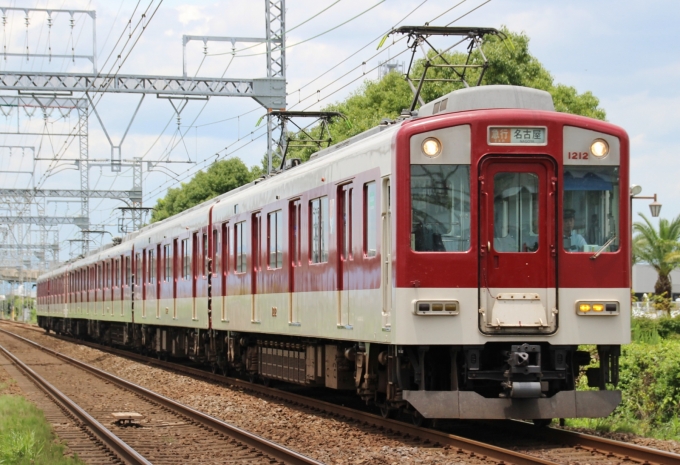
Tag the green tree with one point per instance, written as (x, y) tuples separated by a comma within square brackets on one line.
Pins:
[(219, 178), (660, 248)]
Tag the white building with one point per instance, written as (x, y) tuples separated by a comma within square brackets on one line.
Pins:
[(644, 278)]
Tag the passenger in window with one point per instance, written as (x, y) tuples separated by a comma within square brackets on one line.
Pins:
[(426, 239), (573, 241)]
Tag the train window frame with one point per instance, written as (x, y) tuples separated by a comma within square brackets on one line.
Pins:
[(225, 249), (204, 253), (370, 226), (151, 265), (586, 230), (318, 230), (215, 255), (167, 263), (186, 260), (240, 248), (461, 194), (275, 240), (513, 241)]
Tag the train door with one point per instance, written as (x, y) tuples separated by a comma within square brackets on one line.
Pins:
[(386, 254), (344, 248), (517, 246), (294, 262)]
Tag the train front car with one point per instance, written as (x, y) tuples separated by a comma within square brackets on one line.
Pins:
[(512, 248)]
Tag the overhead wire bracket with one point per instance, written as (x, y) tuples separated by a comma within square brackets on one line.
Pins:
[(324, 118), (418, 39)]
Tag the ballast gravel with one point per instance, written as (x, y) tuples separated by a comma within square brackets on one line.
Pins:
[(319, 436)]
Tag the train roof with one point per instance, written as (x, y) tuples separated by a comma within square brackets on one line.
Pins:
[(469, 99)]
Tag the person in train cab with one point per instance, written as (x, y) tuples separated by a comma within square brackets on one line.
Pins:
[(573, 241)]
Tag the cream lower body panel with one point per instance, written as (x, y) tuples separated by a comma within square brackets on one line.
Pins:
[(353, 315), (464, 327), (185, 312)]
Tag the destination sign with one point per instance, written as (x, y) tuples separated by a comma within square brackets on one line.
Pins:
[(517, 136)]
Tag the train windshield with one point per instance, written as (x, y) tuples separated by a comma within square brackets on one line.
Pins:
[(515, 202), (590, 212), (440, 208)]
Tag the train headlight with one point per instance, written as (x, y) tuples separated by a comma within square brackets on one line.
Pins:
[(599, 148), (597, 307), (432, 147)]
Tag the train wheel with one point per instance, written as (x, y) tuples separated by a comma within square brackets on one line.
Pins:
[(267, 382), (542, 422), (387, 411), (252, 377), (417, 419)]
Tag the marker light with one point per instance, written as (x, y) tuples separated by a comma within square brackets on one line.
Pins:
[(599, 148), (584, 307), (432, 147), (598, 307)]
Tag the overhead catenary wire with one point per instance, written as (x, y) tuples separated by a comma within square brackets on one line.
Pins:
[(286, 47), (74, 130), (359, 77)]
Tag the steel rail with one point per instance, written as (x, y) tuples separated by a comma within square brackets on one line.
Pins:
[(122, 450), (477, 448), (645, 455), (267, 447)]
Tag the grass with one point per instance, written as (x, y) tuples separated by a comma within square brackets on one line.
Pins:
[(25, 435), (619, 424)]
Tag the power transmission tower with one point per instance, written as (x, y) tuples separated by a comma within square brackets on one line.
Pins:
[(46, 90)]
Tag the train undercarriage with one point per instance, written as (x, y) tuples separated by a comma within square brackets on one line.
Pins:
[(494, 380)]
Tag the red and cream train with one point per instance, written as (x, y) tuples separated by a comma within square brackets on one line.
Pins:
[(449, 263)]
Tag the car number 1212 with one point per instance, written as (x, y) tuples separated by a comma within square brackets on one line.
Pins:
[(577, 155)]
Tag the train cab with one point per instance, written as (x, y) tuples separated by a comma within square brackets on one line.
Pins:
[(512, 249)]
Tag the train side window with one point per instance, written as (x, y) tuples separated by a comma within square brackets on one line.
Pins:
[(205, 255), (167, 261), (139, 278), (370, 221), (151, 263), (225, 248), (239, 247), (215, 252), (186, 263), (295, 231), (318, 236), (275, 239)]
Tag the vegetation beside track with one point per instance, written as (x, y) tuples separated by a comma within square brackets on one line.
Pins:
[(25, 435), (649, 380)]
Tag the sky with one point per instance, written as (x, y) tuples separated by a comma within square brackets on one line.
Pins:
[(625, 52)]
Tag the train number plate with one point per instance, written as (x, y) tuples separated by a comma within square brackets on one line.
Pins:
[(506, 135)]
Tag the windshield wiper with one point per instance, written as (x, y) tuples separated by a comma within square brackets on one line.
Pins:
[(606, 244)]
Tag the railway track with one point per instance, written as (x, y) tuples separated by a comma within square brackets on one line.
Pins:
[(144, 427), (539, 445)]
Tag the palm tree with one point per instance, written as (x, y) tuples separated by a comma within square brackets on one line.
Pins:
[(661, 249)]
